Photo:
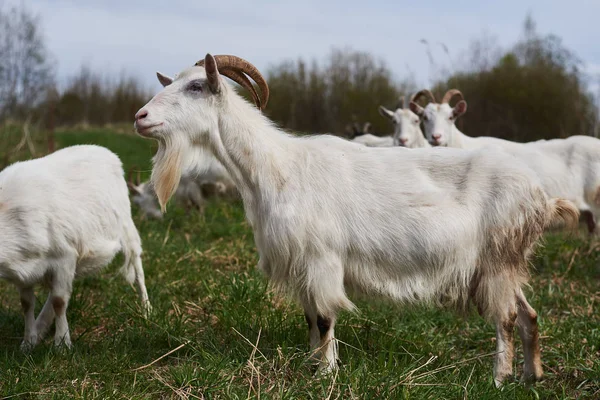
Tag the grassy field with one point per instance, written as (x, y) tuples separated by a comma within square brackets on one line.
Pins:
[(217, 331)]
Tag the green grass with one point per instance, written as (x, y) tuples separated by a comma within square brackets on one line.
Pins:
[(214, 308)]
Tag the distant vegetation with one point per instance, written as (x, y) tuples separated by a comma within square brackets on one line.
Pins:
[(532, 90)]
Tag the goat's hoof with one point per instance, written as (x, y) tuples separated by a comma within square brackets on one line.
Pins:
[(27, 345), (529, 378)]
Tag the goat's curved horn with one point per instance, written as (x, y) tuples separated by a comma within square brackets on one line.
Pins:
[(139, 177), (228, 63), (450, 94), (400, 103), (421, 93), (243, 80)]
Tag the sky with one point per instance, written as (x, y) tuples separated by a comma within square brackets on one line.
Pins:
[(141, 37)]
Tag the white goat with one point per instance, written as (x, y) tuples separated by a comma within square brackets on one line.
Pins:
[(369, 140), (63, 216), (567, 168), (205, 179), (407, 126), (427, 225)]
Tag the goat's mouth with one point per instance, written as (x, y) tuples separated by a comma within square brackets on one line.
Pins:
[(146, 130)]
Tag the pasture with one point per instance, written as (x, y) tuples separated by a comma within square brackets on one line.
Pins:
[(218, 331)]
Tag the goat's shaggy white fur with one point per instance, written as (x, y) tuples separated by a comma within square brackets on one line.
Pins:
[(330, 216), (63, 216), (567, 168)]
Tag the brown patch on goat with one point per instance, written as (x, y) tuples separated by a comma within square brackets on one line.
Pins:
[(589, 220), (324, 324), (25, 304), (597, 196), (58, 303)]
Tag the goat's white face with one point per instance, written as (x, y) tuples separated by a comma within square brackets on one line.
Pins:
[(406, 126), (183, 114), (185, 105), (438, 120)]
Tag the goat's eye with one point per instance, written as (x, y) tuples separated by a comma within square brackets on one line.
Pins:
[(425, 118), (416, 121), (194, 86)]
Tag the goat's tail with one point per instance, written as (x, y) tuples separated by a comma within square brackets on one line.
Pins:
[(562, 211)]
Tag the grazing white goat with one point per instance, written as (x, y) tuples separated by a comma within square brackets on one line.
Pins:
[(63, 216), (191, 193), (567, 168), (365, 138), (426, 225), (407, 126)]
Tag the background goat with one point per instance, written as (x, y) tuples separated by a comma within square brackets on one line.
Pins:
[(63, 216), (201, 181), (407, 126), (567, 168), (428, 225)]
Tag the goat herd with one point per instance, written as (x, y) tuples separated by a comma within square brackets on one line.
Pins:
[(414, 222)]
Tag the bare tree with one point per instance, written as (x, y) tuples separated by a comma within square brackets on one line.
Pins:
[(26, 69)]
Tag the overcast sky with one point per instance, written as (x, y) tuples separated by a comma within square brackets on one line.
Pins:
[(142, 37)]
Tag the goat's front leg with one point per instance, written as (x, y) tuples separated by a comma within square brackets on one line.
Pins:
[(322, 341), (30, 337)]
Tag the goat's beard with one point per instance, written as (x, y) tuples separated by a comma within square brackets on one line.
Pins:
[(166, 171)]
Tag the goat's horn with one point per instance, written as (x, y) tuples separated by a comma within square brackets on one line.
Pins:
[(139, 177), (243, 80), (241, 66), (450, 94), (400, 102), (423, 92)]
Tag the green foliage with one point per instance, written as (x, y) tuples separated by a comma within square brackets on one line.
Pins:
[(534, 91), (348, 87), (214, 308)]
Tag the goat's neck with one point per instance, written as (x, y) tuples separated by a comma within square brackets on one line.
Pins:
[(255, 153), (459, 139), (421, 141)]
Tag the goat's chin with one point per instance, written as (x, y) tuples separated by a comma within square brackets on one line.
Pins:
[(166, 170)]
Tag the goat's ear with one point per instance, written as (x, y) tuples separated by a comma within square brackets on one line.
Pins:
[(212, 73), (417, 109), (163, 79), (459, 109), (385, 112)]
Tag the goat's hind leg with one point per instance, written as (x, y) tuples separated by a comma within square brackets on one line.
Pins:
[(528, 331)]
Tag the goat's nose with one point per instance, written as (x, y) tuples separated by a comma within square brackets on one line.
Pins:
[(437, 136), (141, 114), (403, 140)]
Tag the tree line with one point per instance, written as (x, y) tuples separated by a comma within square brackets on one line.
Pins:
[(533, 90)]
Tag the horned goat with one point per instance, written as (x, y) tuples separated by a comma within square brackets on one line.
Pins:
[(407, 126), (62, 216), (567, 168), (427, 225)]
